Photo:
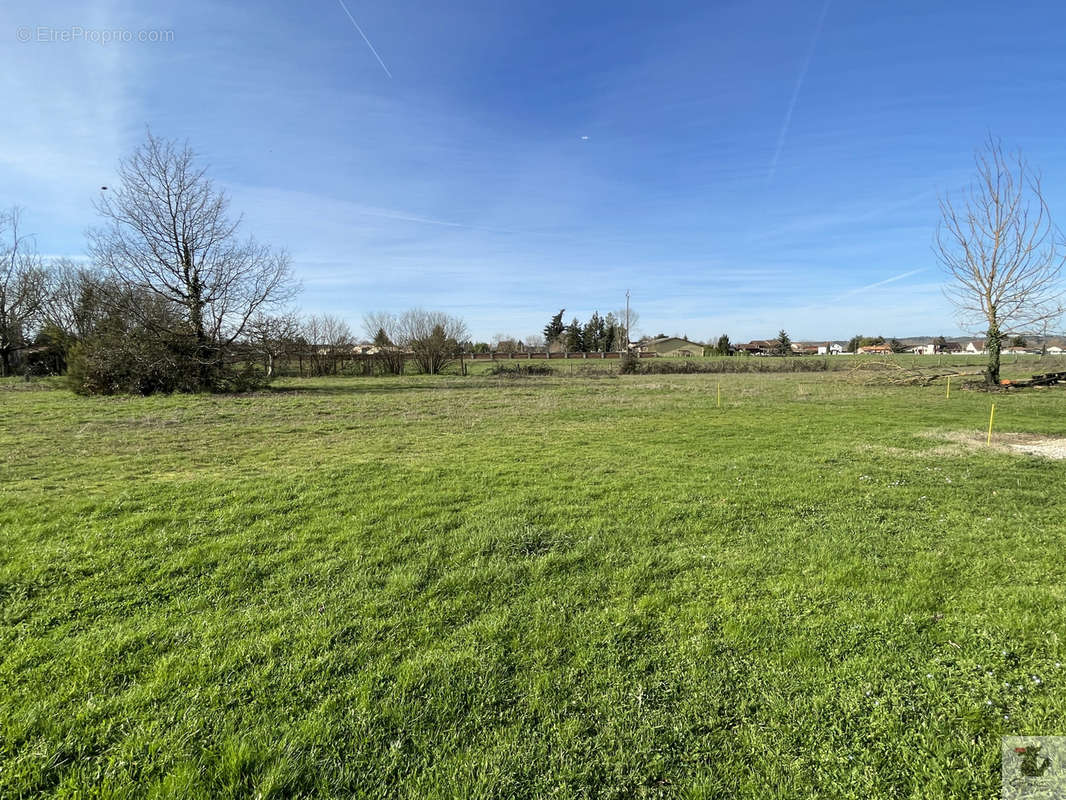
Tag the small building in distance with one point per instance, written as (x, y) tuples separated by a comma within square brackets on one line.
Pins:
[(756, 347), (932, 348), (875, 350), (671, 346), (831, 349)]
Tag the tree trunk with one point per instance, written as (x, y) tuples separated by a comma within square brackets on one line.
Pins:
[(5, 362), (995, 344), (203, 349)]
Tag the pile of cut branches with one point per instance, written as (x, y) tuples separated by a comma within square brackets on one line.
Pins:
[(883, 372)]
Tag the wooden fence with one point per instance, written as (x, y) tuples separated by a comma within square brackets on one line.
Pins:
[(530, 356)]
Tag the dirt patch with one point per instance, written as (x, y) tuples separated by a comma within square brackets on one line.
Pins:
[(1048, 448), (1019, 443)]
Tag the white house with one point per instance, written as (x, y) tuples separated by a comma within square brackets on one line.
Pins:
[(923, 349), (833, 349), (975, 348), (1055, 350)]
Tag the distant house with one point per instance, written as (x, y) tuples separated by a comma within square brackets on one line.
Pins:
[(671, 346), (805, 348), (366, 349), (950, 347), (1055, 350), (832, 348), (922, 349), (756, 347), (974, 348), (875, 350)]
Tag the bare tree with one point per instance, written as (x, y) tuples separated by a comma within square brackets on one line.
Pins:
[(382, 328), (433, 337), (535, 342), (331, 342), (167, 230), (272, 337), (376, 323), (23, 288), (1002, 252), (79, 298), (317, 350), (337, 336), (506, 344)]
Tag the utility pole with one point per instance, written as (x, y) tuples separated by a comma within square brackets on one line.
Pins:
[(627, 320)]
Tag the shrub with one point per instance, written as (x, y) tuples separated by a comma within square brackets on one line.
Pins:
[(111, 363), (518, 370), (629, 364), (142, 345), (672, 366)]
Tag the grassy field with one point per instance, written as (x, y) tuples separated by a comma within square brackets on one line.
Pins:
[(1022, 365), (541, 587)]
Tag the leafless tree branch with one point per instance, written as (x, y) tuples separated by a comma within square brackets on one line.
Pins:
[(168, 231), (1001, 251), (23, 288)]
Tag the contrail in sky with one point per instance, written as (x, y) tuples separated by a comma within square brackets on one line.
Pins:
[(368, 44), (880, 283), (428, 221), (796, 92)]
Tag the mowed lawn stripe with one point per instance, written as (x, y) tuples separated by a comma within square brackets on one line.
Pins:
[(597, 587)]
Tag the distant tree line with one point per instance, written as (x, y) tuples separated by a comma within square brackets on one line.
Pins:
[(599, 334), (175, 299)]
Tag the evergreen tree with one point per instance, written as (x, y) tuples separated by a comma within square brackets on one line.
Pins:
[(593, 333), (381, 339), (573, 337), (554, 329), (782, 344), (612, 334)]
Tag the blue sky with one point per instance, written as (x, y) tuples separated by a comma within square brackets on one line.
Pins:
[(748, 166)]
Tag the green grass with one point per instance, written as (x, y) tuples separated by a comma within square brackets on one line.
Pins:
[(1020, 365), (539, 587)]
